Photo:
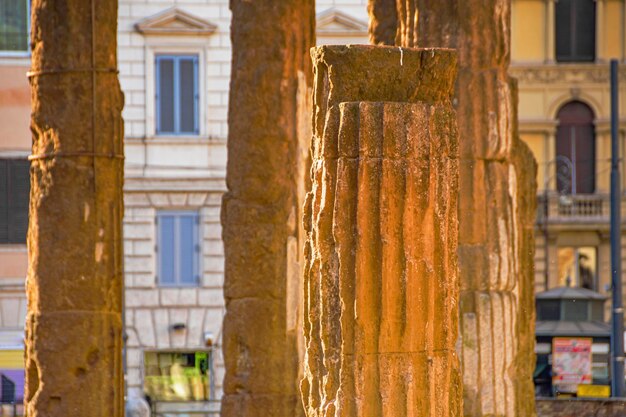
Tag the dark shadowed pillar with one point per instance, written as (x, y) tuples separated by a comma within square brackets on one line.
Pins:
[(268, 148)]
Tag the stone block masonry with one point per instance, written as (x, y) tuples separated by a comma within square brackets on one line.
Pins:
[(381, 279)]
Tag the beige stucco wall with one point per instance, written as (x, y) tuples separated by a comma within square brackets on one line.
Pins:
[(15, 140), (528, 36), (13, 261), (14, 108)]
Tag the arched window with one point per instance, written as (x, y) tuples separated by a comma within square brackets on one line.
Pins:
[(575, 28), (576, 149)]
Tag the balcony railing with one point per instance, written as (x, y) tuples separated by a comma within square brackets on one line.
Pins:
[(186, 409), (574, 208)]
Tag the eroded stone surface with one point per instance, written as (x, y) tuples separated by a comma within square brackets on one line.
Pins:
[(268, 143), (381, 287), (74, 286), (497, 194)]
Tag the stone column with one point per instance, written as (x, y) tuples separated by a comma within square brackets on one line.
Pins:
[(268, 145), (74, 286), (383, 29), (496, 317), (381, 285)]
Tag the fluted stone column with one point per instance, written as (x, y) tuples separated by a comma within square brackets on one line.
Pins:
[(268, 144), (381, 285), (497, 193), (74, 285)]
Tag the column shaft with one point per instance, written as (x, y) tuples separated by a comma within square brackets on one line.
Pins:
[(381, 285), (496, 327), (269, 138), (74, 287)]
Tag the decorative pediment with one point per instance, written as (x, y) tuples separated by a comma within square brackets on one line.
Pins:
[(335, 22), (175, 21)]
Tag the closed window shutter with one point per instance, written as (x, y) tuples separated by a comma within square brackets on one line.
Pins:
[(165, 95), (4, 201), (563, 27), (187, 249), (187, 91), (178, 248), (19, 193), (585, 42), (166, 249), (575, 30)]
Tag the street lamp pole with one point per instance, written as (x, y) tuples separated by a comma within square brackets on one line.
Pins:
[(617, 334)]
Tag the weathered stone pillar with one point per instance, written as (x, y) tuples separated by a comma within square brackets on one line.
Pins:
[(268, 148), (74, 286), (381, 285), (497, 308)]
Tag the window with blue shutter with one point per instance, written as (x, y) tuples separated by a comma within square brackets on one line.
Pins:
[(177, 100), (178, 248), (14, 197)]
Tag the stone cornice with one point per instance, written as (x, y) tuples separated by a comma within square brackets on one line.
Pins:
[(174, 21), (563, 73), (335, 22)]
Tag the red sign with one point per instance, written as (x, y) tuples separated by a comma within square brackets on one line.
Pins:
[(571, 362)]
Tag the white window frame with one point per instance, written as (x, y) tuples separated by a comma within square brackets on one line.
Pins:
[(180, 45), (20, 54), (176, 116)]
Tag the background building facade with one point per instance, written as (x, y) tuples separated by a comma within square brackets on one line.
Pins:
[(174, 63), (561, 52)]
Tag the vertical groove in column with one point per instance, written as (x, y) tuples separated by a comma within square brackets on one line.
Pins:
[(382, 327), (495, 169)]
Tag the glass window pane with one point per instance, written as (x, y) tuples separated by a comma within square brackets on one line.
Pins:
[(165, 95), (567, 272), (577, 266), (177, 376), (597, 311), (13, 25), (575, 310), (166, 250), (187, 89), (563, 27), (548, 310), (19, 193), (4, 201), (585, 30), (187, 254), (587, 267)]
